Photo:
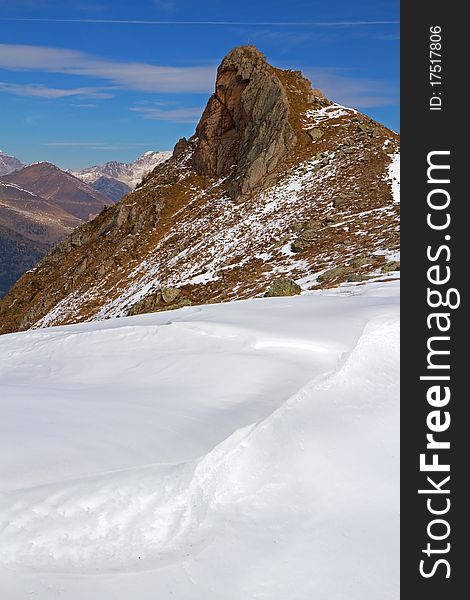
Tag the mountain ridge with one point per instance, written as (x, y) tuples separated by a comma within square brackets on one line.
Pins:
[(116, 179), (39, 206), (64, 189), (277, 181)]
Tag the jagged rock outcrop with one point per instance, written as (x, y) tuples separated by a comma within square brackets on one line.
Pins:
[(180, 146), (277, 182), (165, 299), (245, 130)]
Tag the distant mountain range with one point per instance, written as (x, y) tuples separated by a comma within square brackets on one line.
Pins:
[(8, 164), (116, 179), (41, 204)]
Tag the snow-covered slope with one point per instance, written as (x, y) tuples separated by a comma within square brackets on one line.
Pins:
[(8, 164), (129, 173), (244, 450)]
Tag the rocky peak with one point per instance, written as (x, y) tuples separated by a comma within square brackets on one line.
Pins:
[(180, 147), (245, 131)]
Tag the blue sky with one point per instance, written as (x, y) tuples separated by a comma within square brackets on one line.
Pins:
[(77, 89)]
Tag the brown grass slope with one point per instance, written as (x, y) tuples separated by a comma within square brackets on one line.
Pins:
[(63, 189), (29, 227), (34, 217)]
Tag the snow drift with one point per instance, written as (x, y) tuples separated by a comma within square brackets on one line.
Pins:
[(244, 450)]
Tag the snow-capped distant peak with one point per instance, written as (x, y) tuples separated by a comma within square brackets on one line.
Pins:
[(8, 164), (128, 173)]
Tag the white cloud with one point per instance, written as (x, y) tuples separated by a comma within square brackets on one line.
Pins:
[(126, 75), (41, 91), (97, 145), (357, 92), (277, 36), (84, 105), (166, 6), (73, 144), (176, 115), (346, 89), (360, 92), (332, 24)]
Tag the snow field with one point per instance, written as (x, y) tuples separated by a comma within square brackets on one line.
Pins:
[(244, 450)]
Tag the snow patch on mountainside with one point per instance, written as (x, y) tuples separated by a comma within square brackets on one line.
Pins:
[(17, 187), (394, 177), (327, 113)]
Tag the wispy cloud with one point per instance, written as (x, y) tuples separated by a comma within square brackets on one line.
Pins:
[(73, 144), (41, 91), (166, 6), (176, 115), (358, 92), (96, 145), (84, 105), (80, 5), (350, 23), (127, 75), (278, 36), (25, 3)]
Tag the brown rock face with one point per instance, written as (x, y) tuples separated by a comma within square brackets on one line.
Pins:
[(244, 131), (180, 147)]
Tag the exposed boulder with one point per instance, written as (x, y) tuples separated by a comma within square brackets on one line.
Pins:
[(315, 133), (309, 234), (167, 298), (337, 273), (283, 287), (391, 266), (360, 261), (299, 245), (169, 294)]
